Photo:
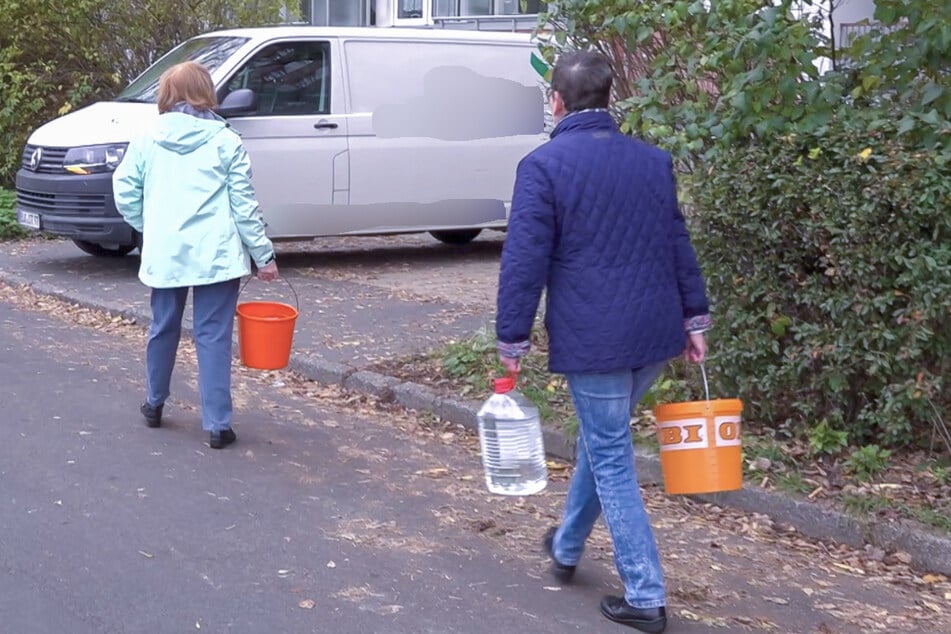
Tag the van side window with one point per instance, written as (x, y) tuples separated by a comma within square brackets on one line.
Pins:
[(289, 78)]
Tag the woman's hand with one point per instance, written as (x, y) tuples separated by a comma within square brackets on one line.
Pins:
[(268, 272)]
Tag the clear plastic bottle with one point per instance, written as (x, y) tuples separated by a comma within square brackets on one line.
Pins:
[(510, 434)]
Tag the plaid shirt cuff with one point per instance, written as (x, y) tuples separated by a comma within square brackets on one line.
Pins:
[(698, 324), (514, 350)]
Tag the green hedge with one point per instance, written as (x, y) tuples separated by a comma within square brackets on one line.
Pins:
[(8, 217), (828, 259), (820, 202)]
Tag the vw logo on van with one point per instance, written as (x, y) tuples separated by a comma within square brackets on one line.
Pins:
[(35, 158)]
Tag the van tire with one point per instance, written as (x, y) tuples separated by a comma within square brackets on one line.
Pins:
[(464, 236), (100, 251)]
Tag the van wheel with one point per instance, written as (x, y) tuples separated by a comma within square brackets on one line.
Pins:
[(94, 248), (464, 236)]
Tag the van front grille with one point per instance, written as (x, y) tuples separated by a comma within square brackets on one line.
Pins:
[(49, 159), (62, 204)]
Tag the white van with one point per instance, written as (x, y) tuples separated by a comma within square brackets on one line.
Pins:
[(350, 131)]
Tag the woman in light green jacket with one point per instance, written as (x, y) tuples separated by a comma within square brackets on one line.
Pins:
[(186, 186)]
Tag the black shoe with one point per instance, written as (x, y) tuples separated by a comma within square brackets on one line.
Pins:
[(560, 571), (652, 620), (153, 415), (221, 439)]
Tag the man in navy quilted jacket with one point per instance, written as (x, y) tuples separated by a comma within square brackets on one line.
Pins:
[(595, 220)]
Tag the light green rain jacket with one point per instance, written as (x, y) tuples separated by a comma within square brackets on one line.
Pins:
[(186, 186)]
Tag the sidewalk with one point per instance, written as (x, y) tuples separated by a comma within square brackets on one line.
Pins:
[(367, 300), (327, 517)]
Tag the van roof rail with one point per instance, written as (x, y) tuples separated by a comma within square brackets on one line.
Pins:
[(521, 23)]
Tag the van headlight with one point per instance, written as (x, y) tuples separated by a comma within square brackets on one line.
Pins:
[(94, 159)]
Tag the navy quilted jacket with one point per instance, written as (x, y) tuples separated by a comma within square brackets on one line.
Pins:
[(595, 219)]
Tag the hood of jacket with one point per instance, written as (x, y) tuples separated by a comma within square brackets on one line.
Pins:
[(182, 133)]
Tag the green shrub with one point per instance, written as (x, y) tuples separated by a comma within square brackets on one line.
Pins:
[(941, 474), (819, 205), (823, 440), (867, 462), (9, 228), (902, 67), (671, 387), (692, 75), (470, 358), (828, 260)]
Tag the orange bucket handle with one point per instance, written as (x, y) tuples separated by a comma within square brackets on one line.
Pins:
[(706, 386), (282, 278)]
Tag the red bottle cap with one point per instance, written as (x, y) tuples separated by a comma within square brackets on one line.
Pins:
[(505, 384)]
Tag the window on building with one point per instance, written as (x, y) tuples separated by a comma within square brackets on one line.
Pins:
[(339, 12), (475, 7), (289, 78), (349, 12), (445, 8), (456, 8), (517, 7), (409, 9)]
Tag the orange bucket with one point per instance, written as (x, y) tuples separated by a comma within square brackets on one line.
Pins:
[(700, 446), (266, 333)]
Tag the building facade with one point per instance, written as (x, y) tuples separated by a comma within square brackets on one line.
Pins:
[(519, 15), (843, 20)]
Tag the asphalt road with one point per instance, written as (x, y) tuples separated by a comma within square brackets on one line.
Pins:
[(332, 513), (108, 526)]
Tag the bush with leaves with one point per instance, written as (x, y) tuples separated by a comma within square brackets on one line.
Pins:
[(828, 257), (9, 228), (57, 56), (819, 204), (868, 462), (902, 69), (695, 75)]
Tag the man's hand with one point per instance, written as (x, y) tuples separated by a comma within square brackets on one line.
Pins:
[(268, 272), (511, 364), (696, 350)]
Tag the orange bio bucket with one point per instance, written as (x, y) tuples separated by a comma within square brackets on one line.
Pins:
[(266, 333), (700, 446)]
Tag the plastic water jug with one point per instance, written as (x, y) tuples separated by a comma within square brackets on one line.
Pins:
[(510, 435)]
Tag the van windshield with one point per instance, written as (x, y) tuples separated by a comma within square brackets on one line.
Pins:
[(210, 52)]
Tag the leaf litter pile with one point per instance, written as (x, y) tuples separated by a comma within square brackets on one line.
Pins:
[(725, 568)]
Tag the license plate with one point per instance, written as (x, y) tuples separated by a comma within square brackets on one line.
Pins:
[(28, 219)]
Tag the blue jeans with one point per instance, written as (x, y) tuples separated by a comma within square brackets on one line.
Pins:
[(214, 309), (605, 481)]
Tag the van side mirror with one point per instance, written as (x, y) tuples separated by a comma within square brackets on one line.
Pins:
[(238, 102)]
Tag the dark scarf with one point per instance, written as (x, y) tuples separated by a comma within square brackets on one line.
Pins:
[(186, 108)]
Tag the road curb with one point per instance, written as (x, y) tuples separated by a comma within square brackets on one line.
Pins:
[(928, 551)]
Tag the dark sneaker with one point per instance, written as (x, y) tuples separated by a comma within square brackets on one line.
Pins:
[(221, 439), (153, 415), (560, 571), (651, 620)]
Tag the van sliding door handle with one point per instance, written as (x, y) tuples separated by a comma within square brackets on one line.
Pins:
[(325, 125)]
